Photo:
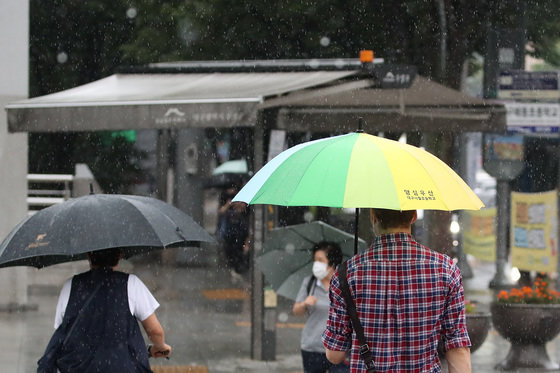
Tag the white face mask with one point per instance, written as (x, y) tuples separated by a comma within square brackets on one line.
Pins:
[(320, 270)]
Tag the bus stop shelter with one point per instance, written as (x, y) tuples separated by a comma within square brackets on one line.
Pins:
[(330, 94), (292, 95)]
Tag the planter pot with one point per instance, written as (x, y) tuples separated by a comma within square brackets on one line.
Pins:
[(528, 327), (478, 326)]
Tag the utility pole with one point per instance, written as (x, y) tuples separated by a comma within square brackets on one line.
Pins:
[(505, 50)]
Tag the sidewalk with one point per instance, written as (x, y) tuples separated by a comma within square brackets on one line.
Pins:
[(206, 317)]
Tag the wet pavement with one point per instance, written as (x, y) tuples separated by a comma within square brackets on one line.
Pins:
[(206, 316)]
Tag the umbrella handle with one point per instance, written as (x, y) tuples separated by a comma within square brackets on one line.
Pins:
[(164, 353), (357, 219)]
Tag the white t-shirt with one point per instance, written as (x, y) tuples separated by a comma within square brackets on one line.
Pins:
[(141, 302)]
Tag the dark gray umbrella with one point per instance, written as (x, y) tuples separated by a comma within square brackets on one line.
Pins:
[(287, 258), (67, 231)]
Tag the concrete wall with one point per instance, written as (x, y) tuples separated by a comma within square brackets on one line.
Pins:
[(14, 62)]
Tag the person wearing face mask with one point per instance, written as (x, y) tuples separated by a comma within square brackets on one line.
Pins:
[(313, 300)]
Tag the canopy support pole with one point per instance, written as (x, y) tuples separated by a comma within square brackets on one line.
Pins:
[(501, 279), (257, 278), (162, 163)]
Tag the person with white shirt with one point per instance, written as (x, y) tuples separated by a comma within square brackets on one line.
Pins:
[(96, 321)]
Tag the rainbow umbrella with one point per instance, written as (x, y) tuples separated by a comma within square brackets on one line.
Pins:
[(359, 170)]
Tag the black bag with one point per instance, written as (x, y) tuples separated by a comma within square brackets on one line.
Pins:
[(48, 362), (365, 352)]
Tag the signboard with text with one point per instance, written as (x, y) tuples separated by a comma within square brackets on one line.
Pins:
[(503, 155), (479, 236), (528, 85), (533, 231), (533, 118)]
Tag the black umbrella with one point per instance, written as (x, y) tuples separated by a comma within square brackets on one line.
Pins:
[(67, 231)]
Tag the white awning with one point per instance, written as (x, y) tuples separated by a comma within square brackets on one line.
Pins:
[(162, 100)]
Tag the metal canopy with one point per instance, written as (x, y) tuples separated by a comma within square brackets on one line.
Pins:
[(321, 95), (425, 106), (162, 100)]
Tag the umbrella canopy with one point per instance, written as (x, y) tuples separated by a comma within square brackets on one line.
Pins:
[(287, 255), (359, 170), (225, 180), (237, 166), (228, 174), (67, 231)]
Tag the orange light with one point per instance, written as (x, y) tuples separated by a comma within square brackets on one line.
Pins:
[(366, 56)]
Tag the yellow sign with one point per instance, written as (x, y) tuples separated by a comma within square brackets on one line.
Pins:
[(534, 231), (479, 234), (270, 298)]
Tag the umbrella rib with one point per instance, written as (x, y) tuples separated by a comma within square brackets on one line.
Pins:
[(302, 236), (148, 222)]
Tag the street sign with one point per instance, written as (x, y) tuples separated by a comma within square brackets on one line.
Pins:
[(533, 118), (502, 155), (392, 76), (528, 85)]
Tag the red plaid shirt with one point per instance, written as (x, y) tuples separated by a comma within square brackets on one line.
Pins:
[(406, 296)]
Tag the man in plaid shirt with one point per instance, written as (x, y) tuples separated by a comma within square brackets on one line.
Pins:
[(407, 297)]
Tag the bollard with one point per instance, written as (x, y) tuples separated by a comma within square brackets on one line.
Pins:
[(269, 335)]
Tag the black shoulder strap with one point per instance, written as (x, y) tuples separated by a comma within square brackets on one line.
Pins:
[(310, 284), (365, 352)]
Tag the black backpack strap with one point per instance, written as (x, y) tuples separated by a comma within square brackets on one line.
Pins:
[(311, 285), (365, 352)]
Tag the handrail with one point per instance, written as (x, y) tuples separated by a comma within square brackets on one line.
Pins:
[(49, 178), (41, 198)]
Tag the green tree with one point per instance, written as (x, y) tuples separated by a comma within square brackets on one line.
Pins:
[(162, 33), (74, 42), (401, 32)]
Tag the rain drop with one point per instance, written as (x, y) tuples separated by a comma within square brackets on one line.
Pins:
[(290, 248), (283, 316), (62, 57), (131, 13)]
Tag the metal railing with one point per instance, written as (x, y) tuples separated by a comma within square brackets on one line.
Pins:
[(45, 190)]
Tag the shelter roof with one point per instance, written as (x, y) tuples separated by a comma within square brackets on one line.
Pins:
[(424, 106), (311, 95), (161, 100)]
